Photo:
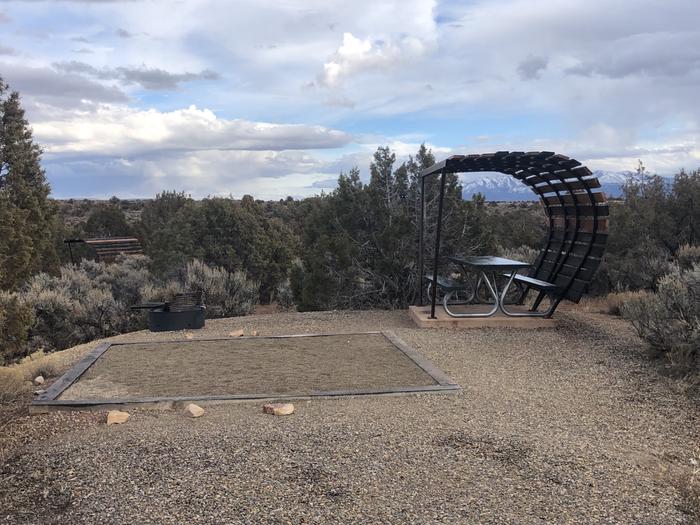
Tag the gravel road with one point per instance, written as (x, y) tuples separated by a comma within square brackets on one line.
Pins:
[(565, 425)]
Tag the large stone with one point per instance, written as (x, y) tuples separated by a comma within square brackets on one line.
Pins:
[(236, 333), (39, 380), (193, 410), (279, 409), (254, 333), (117, 417)]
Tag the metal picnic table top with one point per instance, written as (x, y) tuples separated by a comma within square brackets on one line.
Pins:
[(489, 262)]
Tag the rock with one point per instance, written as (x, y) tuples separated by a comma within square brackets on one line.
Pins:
[(255, 333), (279, 409), (189, 336), (117, 417), (39, 380), (236, 333), (39, 392), (193, 410)]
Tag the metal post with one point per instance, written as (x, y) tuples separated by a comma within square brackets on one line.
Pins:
[(421, 268), (70, 250), (437, 244)]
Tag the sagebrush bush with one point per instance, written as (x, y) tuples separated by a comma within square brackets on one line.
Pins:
[(688, 256), (226, 294), (521, 253), (669, 320), (85, 302), (92, 300), (160, 292), (284, 295)]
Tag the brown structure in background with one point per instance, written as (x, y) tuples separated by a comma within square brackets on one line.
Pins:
[(109, 248)]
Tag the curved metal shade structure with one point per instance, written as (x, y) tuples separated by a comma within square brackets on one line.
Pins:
[(576, 209)]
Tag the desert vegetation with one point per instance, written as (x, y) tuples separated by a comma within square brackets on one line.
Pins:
[(352, 248)]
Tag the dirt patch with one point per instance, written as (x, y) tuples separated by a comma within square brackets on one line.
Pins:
[(275, 366)]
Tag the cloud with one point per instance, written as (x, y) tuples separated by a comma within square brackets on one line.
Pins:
[(199, 173), (123, 33), (148, 78), (157, 79), (621, 80), (531, 67), (357, 55), (4, 50), (65, 90), (121, 131), (662, 54), (4, 19)]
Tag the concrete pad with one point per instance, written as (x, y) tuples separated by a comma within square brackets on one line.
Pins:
[(421, 316)]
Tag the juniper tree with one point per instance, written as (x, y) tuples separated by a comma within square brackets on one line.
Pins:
[(27, 215)]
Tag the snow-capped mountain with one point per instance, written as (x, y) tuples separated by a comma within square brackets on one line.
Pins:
[(501, 187)]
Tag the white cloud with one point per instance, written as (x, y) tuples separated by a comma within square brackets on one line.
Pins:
[(122, 131), (357, 55)]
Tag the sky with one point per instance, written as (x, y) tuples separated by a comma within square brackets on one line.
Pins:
[(276, 98)]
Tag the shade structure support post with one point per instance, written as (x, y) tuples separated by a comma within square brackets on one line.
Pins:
[(433, 299), (421, 266)]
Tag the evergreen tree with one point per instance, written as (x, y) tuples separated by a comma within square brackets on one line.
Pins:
[(27, 215)]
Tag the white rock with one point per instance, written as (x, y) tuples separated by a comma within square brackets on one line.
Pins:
[(193, 410), (236, 333), (39, 380), (39, 392), (117, 417), (279, 409)]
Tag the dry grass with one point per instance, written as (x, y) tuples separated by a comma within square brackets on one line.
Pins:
[(12, 384), (16, 380), (615, 300), (609, 304), (38, 364), (688, 486)]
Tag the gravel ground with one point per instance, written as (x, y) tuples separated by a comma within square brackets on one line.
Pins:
[(566, 425)]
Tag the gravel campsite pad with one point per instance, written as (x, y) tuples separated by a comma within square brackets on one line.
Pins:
[(257, 365)]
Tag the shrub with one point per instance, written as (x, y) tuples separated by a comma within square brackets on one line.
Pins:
[(522, 253), (86, 302), (688, 256), (160, 293), (16, 318), (669, 320), (226, 294), (285, 297), (640, 269)]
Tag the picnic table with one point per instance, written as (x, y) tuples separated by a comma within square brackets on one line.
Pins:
[(488, 269)]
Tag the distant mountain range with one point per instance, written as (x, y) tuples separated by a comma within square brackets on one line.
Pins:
[(500, 187)]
